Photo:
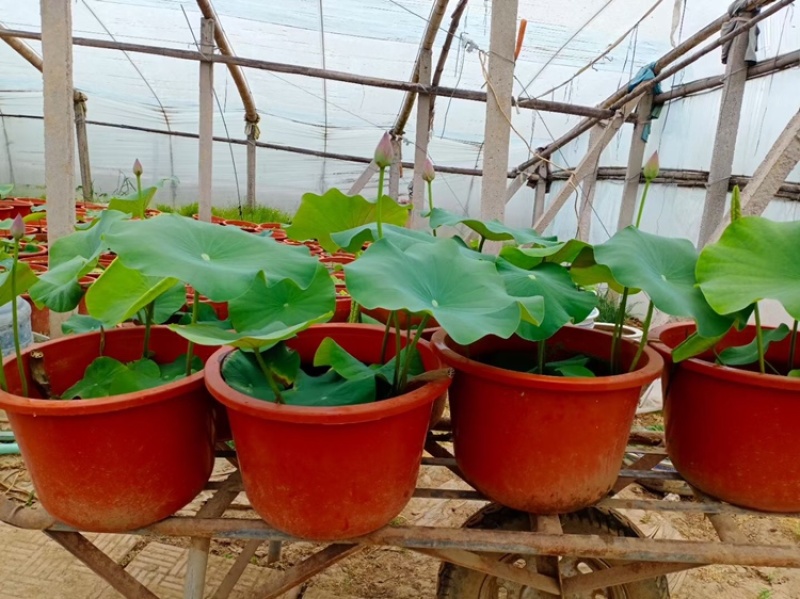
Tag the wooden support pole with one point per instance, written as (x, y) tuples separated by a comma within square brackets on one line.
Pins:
[(206, 142), (770, 175), (584, 168), (455, 19), (419, 187), (83, 147), (363, 179), (541, 193), (251, 165), (587, 189), (233, 575), (59, 142), (394, 169), (725, 141), (497, 129), (630, 191)]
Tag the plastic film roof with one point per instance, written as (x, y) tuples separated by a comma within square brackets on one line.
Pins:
[(381, 38)]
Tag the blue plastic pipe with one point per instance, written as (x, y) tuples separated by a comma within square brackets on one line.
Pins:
[(8, 448)]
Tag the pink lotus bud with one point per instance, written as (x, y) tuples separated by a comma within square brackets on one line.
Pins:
[(17, 228), (650, 169), (137, 168), (428, 172), (384, 153)]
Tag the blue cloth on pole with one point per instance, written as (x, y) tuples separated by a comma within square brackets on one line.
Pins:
[(646, 73)]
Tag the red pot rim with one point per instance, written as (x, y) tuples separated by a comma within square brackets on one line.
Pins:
[(638, 378), (259, 408), (83, 407), (719, 371)]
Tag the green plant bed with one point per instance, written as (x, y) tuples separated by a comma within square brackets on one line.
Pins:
[(259, 214)]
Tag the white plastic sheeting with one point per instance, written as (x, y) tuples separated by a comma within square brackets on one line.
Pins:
[(380, 38)]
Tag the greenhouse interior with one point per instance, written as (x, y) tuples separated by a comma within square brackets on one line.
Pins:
[(399, 299)]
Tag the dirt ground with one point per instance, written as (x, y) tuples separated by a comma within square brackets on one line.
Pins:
[(394, 573)]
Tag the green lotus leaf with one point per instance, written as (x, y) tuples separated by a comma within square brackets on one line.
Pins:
[(467, 297), (352, 240), (58, 288), (120, 292), (262, 339), (748, 354), (493, 230), (585, 271), (330, 353), (321, 215), (241, 371), (694, 345), (176, 370), (283, 301), (754, 259), (664, 268), (133, 204), (106, 376), (558, 253), (87, 243), (81, 323), (552, 285), (169, 302), (24, 278), (5, 190), (219, 262)]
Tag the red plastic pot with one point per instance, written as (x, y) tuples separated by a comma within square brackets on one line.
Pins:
[(17, 206), (117, 463), (344, 304), (243, 225), (542, 444), (330, 473), (732, 433)]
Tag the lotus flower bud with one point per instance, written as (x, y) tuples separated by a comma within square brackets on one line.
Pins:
[(384, 153), (17, 228), (428, 172), (650, 169), (137, 168)]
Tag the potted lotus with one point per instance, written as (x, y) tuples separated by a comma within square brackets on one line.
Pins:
[(115, 424), (731, 398)]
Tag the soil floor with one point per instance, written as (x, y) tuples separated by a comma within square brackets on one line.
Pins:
[(34, 567)]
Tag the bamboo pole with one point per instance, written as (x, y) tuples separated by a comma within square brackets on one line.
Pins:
[(588, 187), (428, 37), (83, 146), (278, 67), (759, 69), (206, 140), (635, 158), (622, 95), (419, 191), (455, 20), (497, 129), (541, 193), (730, 110)]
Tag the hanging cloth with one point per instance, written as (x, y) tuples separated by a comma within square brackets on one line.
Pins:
[(646, 73), (735, 11)]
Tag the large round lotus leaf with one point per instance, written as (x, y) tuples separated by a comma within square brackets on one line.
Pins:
[(551, 284), (352, 240), (558, 253), (87, 243), (263, 338), (664, 268), (466, 296), (754, 259), (334, 211), (284, 302), (219, 262), (24, 278), (121, 292), (493, 230), (585, 271)]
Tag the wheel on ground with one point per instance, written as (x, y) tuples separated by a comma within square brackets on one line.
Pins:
[(456, 582)]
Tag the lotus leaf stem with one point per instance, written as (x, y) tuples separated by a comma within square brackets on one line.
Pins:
[(615, 339), (148, 324), (15, 324), (396, 378), (642, 202), (430, 201), (385, 341), (270, 378), (190, 348), (480, 244), (540, 353), (355, 311), (410, 350), (378, 214), (759, 341), (792, 343), (645, 333)]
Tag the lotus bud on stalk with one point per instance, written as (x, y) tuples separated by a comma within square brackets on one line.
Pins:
[(384, 154), (137, 168), (428, 175), (17, 228), (650, 170), (137, 171)]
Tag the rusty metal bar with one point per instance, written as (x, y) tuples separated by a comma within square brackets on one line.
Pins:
[(547, 564), (646, 462), (724, 524), (102, 565), (274, 552), (490, 566), (301, 572), (624, 574), (237, 569)]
